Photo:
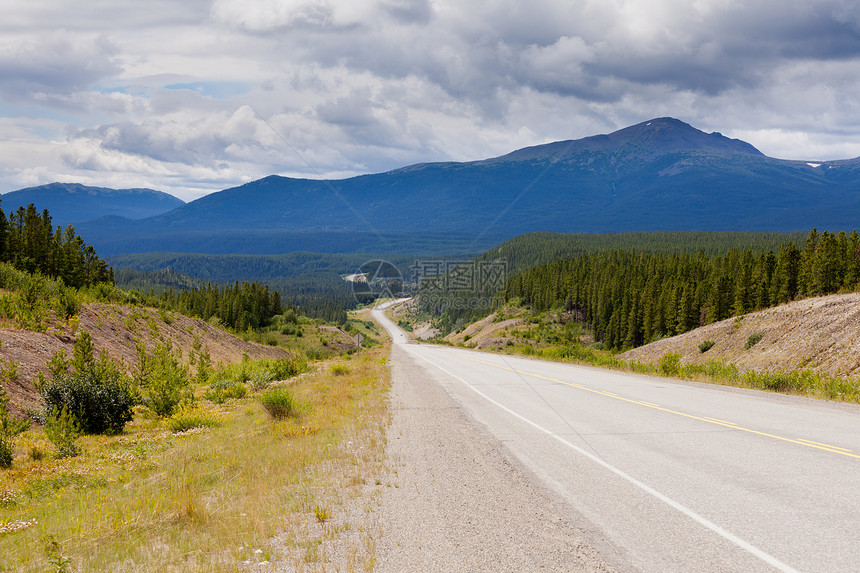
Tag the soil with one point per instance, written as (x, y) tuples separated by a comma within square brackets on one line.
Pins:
[(481, 333), (821, 334), (116, 330)]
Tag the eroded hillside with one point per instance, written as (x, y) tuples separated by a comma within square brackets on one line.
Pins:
[(117, 330), (821, 334)]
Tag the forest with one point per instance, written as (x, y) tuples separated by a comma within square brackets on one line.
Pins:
[(29, 243), (453, 307), (325, 299), (631, 297), (240, 306)]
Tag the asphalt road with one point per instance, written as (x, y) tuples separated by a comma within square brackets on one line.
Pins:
[(676, 476)]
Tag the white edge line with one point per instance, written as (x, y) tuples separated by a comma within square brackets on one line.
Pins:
[(766, 557)]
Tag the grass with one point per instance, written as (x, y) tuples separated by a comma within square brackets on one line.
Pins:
[(753, 339), (279, 403), (244, 491), (192, 418)]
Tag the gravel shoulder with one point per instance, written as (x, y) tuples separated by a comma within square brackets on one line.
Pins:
[(458, 501)]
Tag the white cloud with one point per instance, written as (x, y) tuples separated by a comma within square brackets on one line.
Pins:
[(174, 95)]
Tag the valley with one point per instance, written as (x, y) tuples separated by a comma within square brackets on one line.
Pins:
[(286, 429)]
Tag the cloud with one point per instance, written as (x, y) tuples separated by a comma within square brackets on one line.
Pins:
[(205, 94), (58, 65)]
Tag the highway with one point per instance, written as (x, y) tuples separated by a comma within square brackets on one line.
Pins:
[(675, 476)]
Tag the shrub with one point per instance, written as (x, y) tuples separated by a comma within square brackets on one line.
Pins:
[(7, 451), (287, 368), (706, 345), (314, 353), (223, 389), (102, 402), (63, 430), (189, 418), (753, 340), (260, 378), (279, 403), (670, 364), (162, 379)]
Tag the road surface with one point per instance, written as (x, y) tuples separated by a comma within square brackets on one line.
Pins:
[(661, 475)]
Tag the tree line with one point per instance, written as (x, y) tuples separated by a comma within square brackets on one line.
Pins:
[(240, 306), (629, 298), (29, 242)]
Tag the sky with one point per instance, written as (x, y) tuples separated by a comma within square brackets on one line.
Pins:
[(195, 96)]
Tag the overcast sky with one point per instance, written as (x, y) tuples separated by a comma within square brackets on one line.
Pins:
[(195, 96)]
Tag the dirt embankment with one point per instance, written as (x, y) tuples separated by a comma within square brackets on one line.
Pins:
[(821, 334), (117, 330), (483, 333)]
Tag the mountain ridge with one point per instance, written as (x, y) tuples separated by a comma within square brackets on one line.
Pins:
[(74, 203), (658, 175)]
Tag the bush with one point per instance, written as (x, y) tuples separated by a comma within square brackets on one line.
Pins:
[(287, 368), (670, 364), (260, 378), (753, 340), (279, 403), (102, 402), (95, 392), (706, 345), (7, 451), (162, 379), (63, 430), (223, 389), (315, 353), (189, 418)]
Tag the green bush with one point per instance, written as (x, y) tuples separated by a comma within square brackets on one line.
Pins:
[(753, 340), (63, 430), (162, 379), (102, 402), (9, 428), (315, 353), (670, 364), (279, 403), (223, 389), (706, 345), (260, 378), (284, 368), (187, 419), (7, 451)]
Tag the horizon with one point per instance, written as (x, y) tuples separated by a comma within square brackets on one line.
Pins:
[(311, 177)]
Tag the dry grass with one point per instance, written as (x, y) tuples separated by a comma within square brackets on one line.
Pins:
[(224, 498)]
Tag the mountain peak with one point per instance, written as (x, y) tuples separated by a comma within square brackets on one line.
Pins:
[(646, 140), (669, 135)]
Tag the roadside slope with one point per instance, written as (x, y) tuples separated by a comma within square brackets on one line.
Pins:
[(821, 334), (116, 330)]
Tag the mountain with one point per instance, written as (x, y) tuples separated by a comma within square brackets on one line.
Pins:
[(659, 175), (72, 203)]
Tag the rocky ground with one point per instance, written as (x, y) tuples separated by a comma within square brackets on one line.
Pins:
[(821, 334)]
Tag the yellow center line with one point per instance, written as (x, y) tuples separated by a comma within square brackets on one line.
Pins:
[(717, 420), (825, 445), (799, 441)]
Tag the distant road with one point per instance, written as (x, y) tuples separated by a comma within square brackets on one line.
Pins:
[(674, 476)]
